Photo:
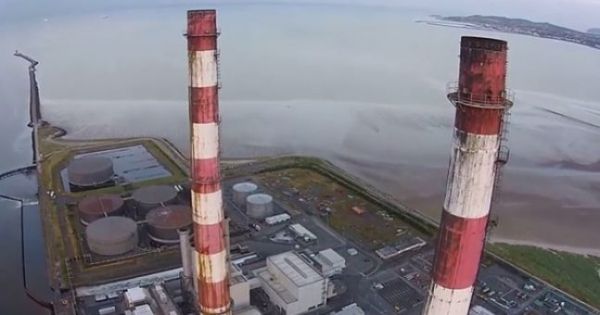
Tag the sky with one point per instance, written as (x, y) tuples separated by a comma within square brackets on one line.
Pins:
[(578, 14)]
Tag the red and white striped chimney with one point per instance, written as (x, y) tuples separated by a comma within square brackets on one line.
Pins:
[(212, 270), (480, 102)]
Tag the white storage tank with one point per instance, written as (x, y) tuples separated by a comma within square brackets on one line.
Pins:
[(259, 206), (241, 191), (112, 236)]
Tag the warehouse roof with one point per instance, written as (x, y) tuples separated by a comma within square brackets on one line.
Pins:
[(331, 257), (295, 268)]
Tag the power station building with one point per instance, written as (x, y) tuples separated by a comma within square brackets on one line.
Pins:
[(292, 283), (329, 262)]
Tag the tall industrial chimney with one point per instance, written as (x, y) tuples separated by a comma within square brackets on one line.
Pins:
[(212, 269), (480, 102)]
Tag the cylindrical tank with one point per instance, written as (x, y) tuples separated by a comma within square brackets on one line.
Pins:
[(92, 208), (259, 206), (150, 197), (112, 236), (90, 171), (164, 222), (241, 191)]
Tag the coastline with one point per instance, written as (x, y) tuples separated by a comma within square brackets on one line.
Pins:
[(546, 246), (583, 39)]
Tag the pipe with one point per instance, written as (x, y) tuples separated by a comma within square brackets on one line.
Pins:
[(209, 225), (186, 253), (480, 101)]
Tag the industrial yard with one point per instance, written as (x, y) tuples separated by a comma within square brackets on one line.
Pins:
[(377, 285), (104, 205), (128, 232)]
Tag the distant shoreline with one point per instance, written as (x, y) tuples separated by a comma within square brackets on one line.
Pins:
[(516, 26), (547, 246)]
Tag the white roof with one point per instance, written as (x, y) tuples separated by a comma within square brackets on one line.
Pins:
[(143, 310), (479, 310), (351, 309), (295, 268), (331, 257), (276, 286), (278, 217), (248, 311), (302, 231), (135, 295)]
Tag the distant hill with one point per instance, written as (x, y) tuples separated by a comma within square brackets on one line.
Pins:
[(595, 31), (523, 26)]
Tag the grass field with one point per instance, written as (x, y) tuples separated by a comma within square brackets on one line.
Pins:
[(374, 228), (576, 274)]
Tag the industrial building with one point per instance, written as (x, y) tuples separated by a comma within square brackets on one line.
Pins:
[(303, 233), (351, 309), (329, 262), (405, 244), (278, 218), (239, 288), (292, 283)]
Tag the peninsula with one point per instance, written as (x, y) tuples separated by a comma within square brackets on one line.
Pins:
[(520, 26)]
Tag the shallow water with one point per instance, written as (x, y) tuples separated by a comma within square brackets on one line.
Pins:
[(363, 88)]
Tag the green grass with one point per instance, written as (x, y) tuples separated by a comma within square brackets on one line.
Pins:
[(369, 228), (575, 274)]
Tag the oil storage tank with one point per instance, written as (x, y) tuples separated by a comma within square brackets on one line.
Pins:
[(241, 191), (92, 208), (112, 236), (163, 223), (150, 197), (259, 206), (90, 171)]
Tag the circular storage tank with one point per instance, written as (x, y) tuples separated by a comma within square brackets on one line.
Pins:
[(92, 208), (90, 171), (164, 222), (241, 191), (150, 197), (259, 206), (112, 236)]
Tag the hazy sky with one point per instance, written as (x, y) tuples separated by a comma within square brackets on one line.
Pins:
[(580, 14)]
